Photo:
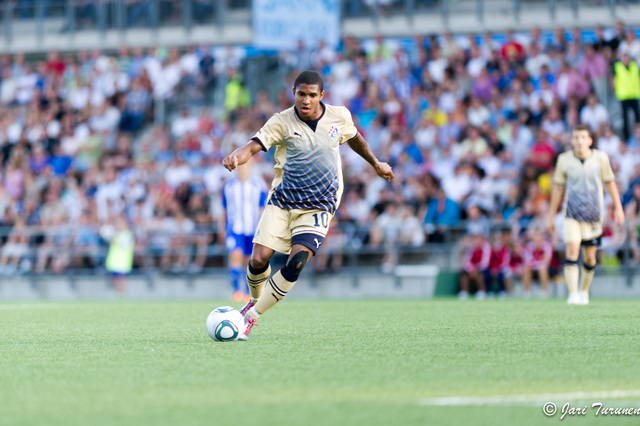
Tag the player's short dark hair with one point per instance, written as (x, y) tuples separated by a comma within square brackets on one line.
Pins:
[(309, 77), (583, 128)]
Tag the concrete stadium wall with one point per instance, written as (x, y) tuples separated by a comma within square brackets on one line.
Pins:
[(238, 28), (339, 286)]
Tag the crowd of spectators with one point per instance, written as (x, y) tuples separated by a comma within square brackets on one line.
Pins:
[(79, 148), (472, 125)]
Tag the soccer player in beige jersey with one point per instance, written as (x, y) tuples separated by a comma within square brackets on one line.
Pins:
[(581, 173), (305, 191)]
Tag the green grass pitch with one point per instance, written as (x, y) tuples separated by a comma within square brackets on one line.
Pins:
[(368, 362)]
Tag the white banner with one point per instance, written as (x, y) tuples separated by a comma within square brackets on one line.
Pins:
[(279, 24)]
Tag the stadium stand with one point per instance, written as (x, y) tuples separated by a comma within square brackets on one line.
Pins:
[(471, 122)]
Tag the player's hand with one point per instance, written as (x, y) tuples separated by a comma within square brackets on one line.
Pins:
[(384, 171), (619, 216), (551, 227), (230, 162)]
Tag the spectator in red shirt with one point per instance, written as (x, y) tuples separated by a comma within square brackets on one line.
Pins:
[(516, 264), (543, 152), (499, 265), (512, 50), (537, 259), (54, 63), (476, 260)]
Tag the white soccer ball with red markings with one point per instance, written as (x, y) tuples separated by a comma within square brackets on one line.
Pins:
[(225, 324)]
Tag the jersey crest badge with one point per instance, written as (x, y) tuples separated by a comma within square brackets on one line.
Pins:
[(333, 132)]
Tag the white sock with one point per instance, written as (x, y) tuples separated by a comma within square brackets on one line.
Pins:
[(253, 313)]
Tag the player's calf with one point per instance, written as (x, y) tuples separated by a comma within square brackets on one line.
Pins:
[(571, 275), (277, 287), (256, 277)]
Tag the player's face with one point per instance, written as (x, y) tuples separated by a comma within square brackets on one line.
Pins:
[(307, 101), (581, 141)]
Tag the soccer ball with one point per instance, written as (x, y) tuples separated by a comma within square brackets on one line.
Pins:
[(225, 324)]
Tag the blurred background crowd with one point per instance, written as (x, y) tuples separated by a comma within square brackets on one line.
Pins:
[(471, 123)]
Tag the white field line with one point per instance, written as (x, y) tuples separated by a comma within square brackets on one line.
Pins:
[(461, 401)]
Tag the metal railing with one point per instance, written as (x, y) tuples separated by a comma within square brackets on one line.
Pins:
[(480, 8), (75, 251), (73, 16)]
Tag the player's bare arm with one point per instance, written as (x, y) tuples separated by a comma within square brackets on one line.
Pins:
[(359, 145), (241, 155), (556, 198), (618, 211)]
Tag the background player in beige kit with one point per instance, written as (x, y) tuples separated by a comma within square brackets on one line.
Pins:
[(581, 172), (305, 191)]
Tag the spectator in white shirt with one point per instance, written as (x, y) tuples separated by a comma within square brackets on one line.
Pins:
[(109, 195), (627, 158), (345, 88), (476, 63), (357, 208), (536, 59), (8, 87), (609, 142), (458, 186), (79, 96), (177, 172), (410, 232), (184, 124), (544, 94), (190, 62), (489, 45), (323, 55), (593, 113), (166, 80), (536, 38), (630, 45), (26, 86), (450, 48), (437, 65), (554, 126), (105, 118), (426, 134), (477, 113), (228, 57), (179, 227)]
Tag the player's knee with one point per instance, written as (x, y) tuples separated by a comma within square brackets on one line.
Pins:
[(297, 261), (260, 258), (294, 266), (258, 263), (589, 262)]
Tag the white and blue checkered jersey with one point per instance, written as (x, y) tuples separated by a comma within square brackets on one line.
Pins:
[(582, 179), (243, 202), (308, 171)]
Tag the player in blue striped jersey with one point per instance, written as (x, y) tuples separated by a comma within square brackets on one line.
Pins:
[(305, 191), (243, 198)]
